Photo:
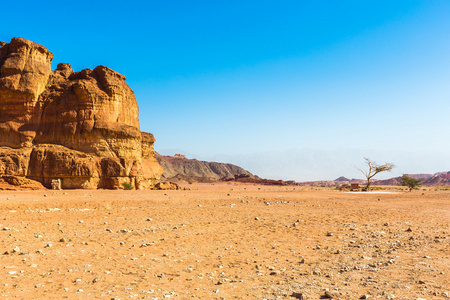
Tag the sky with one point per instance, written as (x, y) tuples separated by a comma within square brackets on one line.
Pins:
[(256, 79)]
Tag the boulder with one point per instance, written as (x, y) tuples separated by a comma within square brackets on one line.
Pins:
[(167, 186)]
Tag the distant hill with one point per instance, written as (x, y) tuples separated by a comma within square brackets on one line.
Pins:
[(437, 179), (342, 178), (179, 168)]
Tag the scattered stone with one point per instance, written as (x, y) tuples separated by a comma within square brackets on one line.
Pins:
[(364, 297), (62, 240), (409, 229), (299, 296), (332, 295), (215, 291), (275, 272)]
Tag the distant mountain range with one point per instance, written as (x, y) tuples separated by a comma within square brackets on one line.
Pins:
[(436, 179)]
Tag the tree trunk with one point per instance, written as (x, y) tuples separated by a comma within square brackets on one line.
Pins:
[(368, 185)]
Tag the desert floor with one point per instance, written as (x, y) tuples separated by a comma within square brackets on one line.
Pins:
[(224, 241)]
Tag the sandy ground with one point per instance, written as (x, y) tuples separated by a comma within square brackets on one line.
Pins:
[(224, 241)]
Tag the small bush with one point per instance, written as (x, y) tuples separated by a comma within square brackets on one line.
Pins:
[(127, 186), (343, 187), (411, 182)]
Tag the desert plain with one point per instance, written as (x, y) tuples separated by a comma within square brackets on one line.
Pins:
[(225, 241)]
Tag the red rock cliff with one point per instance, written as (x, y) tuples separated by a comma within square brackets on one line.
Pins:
[(81, 127)]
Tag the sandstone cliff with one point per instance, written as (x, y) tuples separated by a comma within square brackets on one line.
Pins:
[(81, 127)]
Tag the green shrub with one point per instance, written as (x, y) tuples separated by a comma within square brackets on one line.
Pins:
[(127, 186), (411, 182)]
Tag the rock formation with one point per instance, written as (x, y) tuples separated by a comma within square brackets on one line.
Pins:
[(81, 127), (180, 168)]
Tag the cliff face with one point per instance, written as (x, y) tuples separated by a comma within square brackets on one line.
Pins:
[(81, 127), (178, 167)]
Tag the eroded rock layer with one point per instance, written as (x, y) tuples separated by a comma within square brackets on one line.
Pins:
[(81, 127)]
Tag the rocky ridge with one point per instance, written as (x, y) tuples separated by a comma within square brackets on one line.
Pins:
[(81, 127), (179, 168), (437, 179)]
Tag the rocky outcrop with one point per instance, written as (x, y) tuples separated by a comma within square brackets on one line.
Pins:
[(167, 186), (81, 127), (179, 168), (8, 182)]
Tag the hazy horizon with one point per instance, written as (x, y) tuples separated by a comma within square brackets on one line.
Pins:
[(235, 79)]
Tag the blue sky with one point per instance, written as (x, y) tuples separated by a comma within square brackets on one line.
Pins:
[(243, 77)]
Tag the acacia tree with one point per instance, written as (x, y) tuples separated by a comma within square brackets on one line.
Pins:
[(374, 169), (410, 182)]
